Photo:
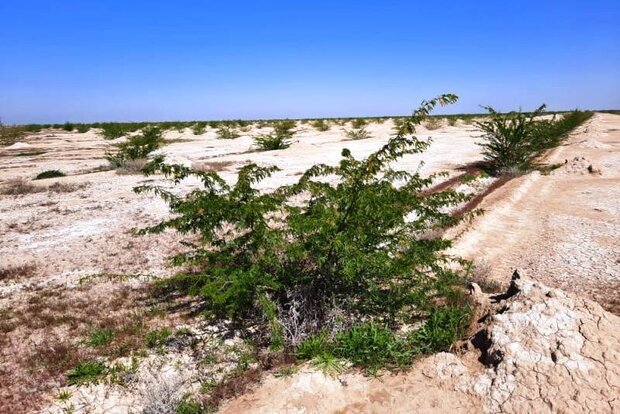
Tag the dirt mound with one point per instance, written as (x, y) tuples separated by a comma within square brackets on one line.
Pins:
[(547, 351), (535, 350), (578, 165)]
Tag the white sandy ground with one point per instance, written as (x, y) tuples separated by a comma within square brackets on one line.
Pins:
[(563, 228)]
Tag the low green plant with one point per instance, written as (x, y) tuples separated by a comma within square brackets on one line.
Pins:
[(357, 134), (100, 337), (82, 128), (358, 123), (64, 395), (226, 132), (189, 405), (444, 326), (68, 126), (320, 125), (10, 134), (157, 337), (271, 142), (346, 251), (433, 123), (86, 371), (50, 174), (199, 128)]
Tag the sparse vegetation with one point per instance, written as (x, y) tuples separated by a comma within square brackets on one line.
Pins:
[(320, 125), (356, 134), (132, 152), (226, 132), (100, 337), (433, 123), (87, 371), (157, 337), (199, 128)]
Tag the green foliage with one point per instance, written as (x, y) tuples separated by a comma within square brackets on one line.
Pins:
[(82, 128), (357, 134), (86, 371), (100, 337), (226, 132), (358, 123), (50, 174), (373, 346), (136, 147), (444, 326), (10, 134), (157, 337), (285, 128), (199, 128), (271, 142), (352, 246), (320, 125), (68, 126), (189, 406), (64, 395), (314, 346), (512, 141)]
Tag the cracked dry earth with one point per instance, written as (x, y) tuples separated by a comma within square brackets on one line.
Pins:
[(562, 228), (535, 350)]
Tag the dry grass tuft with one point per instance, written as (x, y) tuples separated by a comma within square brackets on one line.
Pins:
[(213, 165), (130, 167), (20, 186), (17, 272)]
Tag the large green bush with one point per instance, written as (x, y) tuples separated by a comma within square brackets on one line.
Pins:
[(343, 245), (512, 141)]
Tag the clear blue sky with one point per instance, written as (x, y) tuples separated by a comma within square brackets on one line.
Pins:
[(130, 60)]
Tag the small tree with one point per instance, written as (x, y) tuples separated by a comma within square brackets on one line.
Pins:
[(510, 140), (346, 250), (137, 147)]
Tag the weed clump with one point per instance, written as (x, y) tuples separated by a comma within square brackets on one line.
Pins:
[(226, 132), (356, 134), (346, 252), (136, 148), (85, 372), (320, 125)]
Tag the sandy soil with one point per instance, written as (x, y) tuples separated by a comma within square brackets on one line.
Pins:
[(562, 228)]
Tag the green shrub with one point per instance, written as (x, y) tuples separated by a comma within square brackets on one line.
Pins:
[(68, 126), (357, 134), (344, 252), (320, 125), (199, 128), (137, 147), (157, 337), (433, 124), (82, 128), (10, 134), (113, 131), (86, 372), (226, 132), (514, 140), (50, 174), (271, 142), (285, 128), (358, 123), (373, 346)]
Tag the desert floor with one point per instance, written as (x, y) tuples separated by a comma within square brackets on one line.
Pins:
[(562, 228)]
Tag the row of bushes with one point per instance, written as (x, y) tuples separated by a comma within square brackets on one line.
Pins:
[(513, 141)]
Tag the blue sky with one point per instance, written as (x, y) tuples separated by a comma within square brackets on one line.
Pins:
[(183, 60)]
